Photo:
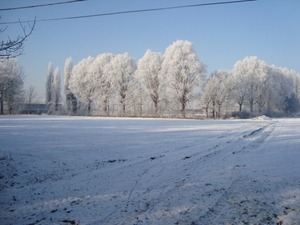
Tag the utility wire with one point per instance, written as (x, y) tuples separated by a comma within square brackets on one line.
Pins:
[(41, 5), (133, 11)]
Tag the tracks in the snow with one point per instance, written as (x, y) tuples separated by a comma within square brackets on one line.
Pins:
[(227, 145), (241, 202), (165, 176)]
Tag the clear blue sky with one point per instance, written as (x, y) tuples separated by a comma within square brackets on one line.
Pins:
[(222, 34)]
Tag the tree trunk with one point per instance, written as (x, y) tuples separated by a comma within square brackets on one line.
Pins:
[(89, 107), (251, 106), (219, 111), (240, 102), (1, 102), (156, 108), (68, 101), (74, 104), (123, 108), (214, 110), (106, 106), (49, 107), (183, 109), (1, 107), (122, 101)]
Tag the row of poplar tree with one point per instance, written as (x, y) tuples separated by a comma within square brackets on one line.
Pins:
[(171, 84)]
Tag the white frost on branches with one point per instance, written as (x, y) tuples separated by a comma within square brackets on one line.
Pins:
[(121, 70), (56, 89), (163, 84), (11, 84), (183, 70), (82, 84), (216, 92), (149, 75)]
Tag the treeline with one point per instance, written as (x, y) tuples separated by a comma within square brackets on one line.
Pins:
[(252, 88), (174, 84), (159, 85)]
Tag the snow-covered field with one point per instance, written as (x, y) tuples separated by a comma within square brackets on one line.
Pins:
[(74, 170)]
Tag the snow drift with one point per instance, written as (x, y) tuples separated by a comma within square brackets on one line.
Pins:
[(263, 117)]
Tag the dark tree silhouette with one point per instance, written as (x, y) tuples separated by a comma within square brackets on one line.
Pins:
[(11, 48)]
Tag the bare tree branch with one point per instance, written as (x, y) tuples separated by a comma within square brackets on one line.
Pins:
[(13, 48)]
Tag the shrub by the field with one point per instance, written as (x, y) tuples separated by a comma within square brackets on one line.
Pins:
[(241, 114)]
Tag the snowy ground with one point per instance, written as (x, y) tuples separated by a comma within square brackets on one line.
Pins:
[(73, 170)]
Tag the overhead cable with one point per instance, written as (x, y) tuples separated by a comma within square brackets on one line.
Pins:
[(41, 5), (133, 11)]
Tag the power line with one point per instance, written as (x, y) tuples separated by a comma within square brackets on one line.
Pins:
[(133, 11), (41, 5)]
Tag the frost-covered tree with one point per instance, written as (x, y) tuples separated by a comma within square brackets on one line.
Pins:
[(183, 70), (297, 85), (210, 94), (149, 75), (260, 85), (206, 98), (238, 89), (223, 90), (81, 83), (264, 86), (292, 104), (121, 69), (215, 92), (295, 79), (280, 88), (71, 100), (49, 84), (56, 89), (100, 70), (252, 72), (4, 76), (11, 84), (31, 97)]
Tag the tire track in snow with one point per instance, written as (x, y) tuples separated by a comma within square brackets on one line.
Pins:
[(136, 182), (231, 197), (224, 151), (241, 202), (143, 206), (125, 205), (233, 145), (212, 157)]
